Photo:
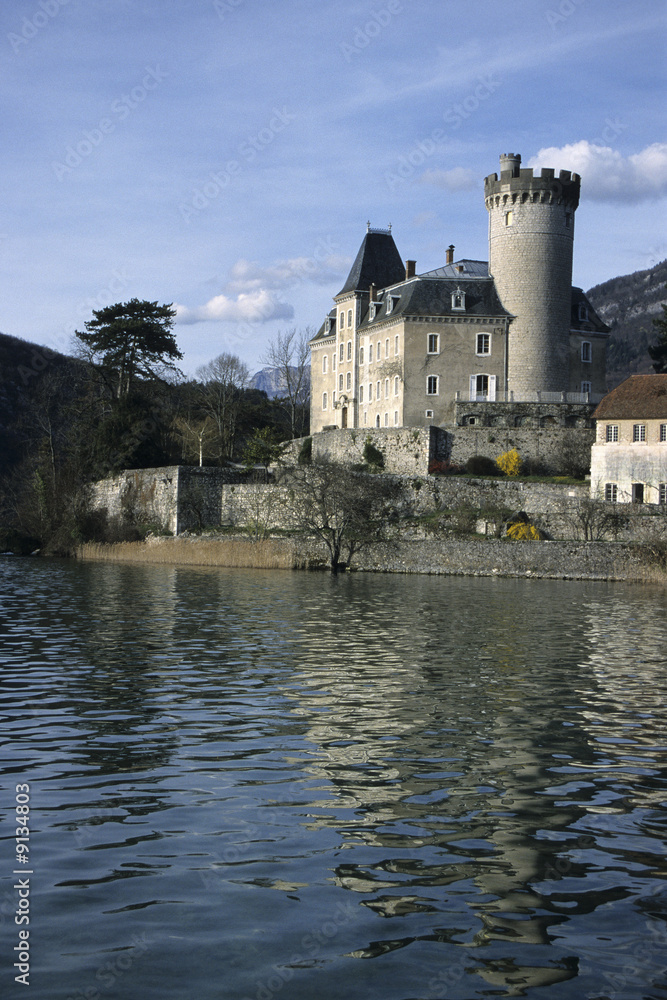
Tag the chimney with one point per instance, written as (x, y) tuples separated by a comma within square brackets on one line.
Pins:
[(410, 266), (450, 253), (371, 293)]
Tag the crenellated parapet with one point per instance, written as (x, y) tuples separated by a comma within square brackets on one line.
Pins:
[(518, 186)]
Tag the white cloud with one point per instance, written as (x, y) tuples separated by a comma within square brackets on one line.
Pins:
[(249, 276), (456, 179), (255, 307), (606, 175)]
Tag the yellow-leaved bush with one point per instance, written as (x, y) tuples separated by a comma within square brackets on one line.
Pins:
[(509, 462), (522, 532)]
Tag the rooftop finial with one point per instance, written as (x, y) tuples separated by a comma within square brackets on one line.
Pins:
[(368, 226), (390, 227)]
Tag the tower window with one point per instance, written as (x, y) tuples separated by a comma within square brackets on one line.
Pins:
[(349, 319), (361, 355), (386, 388), (396, 385), (340, 382), (386, 348), (349, 380), (333, 362), (585, 388), (370, 353), (395, 418), (379, 351), (342, 350), (509, 218), (341, 321), (349, 350), (324, 400), (324, 364), (433, 339), (386, 419), (396, 344), (361, 393), (432, 385), (378, 391), (483, 343), (586, 354), (370, 392)]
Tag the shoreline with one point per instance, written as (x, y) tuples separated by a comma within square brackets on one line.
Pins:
[(560, 560)]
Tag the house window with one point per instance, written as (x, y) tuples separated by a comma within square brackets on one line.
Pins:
[(361, 355), (379, 351), (342, 350), (663, 432), (349, 350), (483, 343), (612, 432), (396, 385), (324, 400), (386, 388), (395, 418), (370, 353), (349, 380), (611, 492), (386, 348), (459, 300), (509, 217), (638, 493), (324, 364), (662, 493), (333, 362), (349, 319), (378, 392), (361, 393), (340, 382), (429, 414), (396, 344), (585, 387), (639, 432), (433, 343), (432, 385), (341, 321), (586, 350)]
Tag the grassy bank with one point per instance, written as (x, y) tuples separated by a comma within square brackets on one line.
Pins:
[(235, 552)]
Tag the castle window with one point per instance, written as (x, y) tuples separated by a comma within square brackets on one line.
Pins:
[(429, 414), (333, 399), (509, 218), (611, 492), (386, 348), (379, 351), (370, 353), (349, 350), (333, 362), (663, 432), (396, 385), (583, 312), (324, 364), (396, 344), (433, 346), (341, 321), (395, 418), (585, 388), (458, 300), (586, 350), (639, 432), (342, 350), (365, 416), (386, 388), (432, 385), (662, 493), (377, 420), (324, 400), (340, 382), (349, 380), (378, 391), (483, 343), (349, 319), (612, 432), (386, 420), (638, 493), (370, 392), (361, 393), (361, 355)]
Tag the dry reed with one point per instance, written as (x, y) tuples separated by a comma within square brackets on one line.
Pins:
[(239, 553)]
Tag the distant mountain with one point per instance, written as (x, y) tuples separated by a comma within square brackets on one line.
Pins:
[(268, 380), (628, 305)]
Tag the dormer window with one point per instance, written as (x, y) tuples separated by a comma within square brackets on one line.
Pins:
[(583, 313), (327, 325), (391, 304), (372, 311), (459, 300)]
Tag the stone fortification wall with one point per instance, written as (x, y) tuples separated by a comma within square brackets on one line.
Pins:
[(549, 450), (407, 451)]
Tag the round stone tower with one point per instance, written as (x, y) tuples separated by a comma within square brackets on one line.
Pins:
[(531, 236)]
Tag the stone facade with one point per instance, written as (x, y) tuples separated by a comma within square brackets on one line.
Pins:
[(406, 451)]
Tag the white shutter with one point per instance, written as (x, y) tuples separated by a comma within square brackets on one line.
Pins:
[(492, 387), (473, 388)]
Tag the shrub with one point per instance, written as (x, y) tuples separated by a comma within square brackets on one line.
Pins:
[(481, 465), (509, 462), (306, 452), (372, 455), (520, 531), (437, 468)]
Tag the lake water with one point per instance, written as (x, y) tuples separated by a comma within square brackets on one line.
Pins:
[(267, 785)]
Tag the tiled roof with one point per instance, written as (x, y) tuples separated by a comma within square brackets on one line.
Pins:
[(428, 296), (640, 397), (378, 262)]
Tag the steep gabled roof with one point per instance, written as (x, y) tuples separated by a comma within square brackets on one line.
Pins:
[(592, 323), (640, 397), (377, 263)]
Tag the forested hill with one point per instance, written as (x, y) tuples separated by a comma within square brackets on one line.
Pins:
[(628, 305)]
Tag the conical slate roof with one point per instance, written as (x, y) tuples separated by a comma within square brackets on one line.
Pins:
[(378, 262)]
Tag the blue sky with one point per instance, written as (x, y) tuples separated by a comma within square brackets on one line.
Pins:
[(225, 155)]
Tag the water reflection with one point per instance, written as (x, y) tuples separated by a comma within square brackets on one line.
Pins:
[(399, 786)]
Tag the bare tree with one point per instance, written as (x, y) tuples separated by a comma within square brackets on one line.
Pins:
[(223, 381), (289, 356), (346, 510)]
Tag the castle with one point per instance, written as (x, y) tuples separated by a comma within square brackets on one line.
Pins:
[(401, 349)]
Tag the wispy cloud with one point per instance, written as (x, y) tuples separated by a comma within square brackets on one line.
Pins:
[(607, 175), (247, 275), (255, 307), (456, 179)]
